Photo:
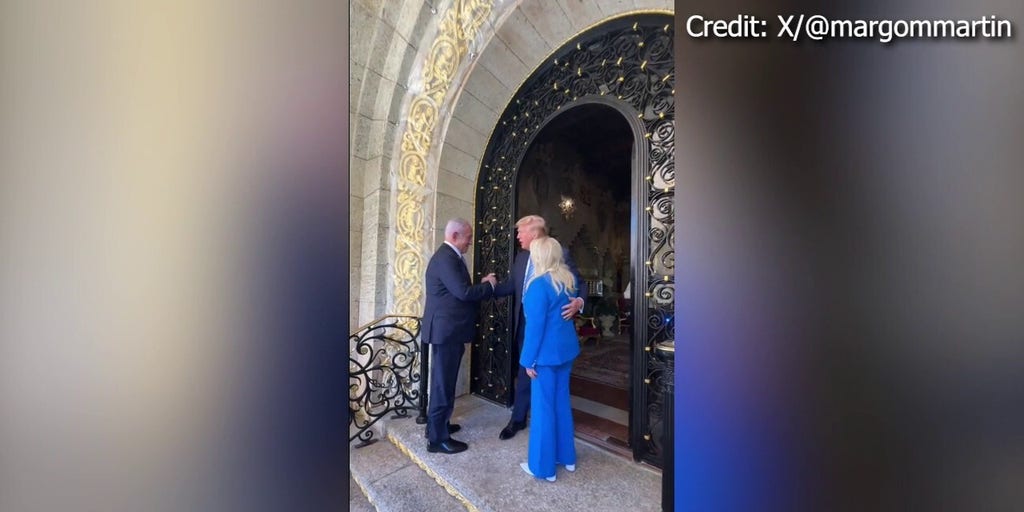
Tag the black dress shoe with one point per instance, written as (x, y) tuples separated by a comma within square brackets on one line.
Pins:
[(510, 430), (447, 446), (452, 428)]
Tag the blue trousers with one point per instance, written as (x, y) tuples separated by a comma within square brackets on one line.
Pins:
[(551, 427), (521, 382)]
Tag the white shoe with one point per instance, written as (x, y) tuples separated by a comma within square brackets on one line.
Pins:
[(570, 467), (526, 467)]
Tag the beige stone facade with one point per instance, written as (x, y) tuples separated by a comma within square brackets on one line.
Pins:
[(395, 61)]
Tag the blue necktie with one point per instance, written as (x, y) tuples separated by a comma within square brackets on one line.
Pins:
[(529, 272)]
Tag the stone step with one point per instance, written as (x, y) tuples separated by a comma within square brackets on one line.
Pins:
[(357, 501), (390, 481), (487, 477)]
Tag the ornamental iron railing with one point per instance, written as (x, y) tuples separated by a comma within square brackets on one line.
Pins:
[(386, 375)]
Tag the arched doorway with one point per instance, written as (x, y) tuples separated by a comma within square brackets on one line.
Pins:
[(576, 174), (626, 65)]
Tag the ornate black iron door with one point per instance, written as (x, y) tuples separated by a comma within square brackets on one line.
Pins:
[(626, 63)]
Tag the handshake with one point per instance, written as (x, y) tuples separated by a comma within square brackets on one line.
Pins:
[(489, 278)]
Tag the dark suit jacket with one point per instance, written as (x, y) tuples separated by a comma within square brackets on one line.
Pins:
[(453, 301), (513, 284)]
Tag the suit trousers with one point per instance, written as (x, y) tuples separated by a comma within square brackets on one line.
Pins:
[(551, 426), (444, 372), (521, 398)]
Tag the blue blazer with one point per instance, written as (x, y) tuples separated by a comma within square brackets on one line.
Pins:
[(550, 340), (453, 301), (513, 284)]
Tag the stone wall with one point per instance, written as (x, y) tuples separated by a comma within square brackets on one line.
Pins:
[(390, 41), (385, 40)]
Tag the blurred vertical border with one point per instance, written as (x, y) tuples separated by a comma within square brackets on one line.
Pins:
[(849, 328), (174, 231)]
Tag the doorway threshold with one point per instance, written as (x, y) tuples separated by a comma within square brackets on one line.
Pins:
[(602, 433)]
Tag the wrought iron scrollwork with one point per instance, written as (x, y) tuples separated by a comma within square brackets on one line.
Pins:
[(626, 62), (384, 374)]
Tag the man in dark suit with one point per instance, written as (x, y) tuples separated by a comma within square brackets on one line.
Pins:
[(449, 322), (528, 228)]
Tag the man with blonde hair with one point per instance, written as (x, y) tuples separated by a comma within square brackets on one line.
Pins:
[(528, 229)]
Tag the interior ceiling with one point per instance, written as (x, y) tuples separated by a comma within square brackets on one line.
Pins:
[(601, 135)]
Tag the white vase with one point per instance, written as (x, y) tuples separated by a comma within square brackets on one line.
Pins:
[(606, 321)]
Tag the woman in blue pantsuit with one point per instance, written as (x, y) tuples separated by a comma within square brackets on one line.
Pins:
[(550, 345)]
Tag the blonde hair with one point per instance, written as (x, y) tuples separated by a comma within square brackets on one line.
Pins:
[(536, 223), (546, 256)]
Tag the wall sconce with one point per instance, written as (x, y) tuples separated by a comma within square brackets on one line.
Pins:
[(567, 206)]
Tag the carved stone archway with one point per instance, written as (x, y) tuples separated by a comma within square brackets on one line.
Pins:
[(626, 63)]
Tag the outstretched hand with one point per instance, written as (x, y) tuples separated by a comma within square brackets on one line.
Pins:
[(489, 278), (574, 306)]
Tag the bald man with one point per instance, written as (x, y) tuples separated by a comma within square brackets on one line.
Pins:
[(449, 322)]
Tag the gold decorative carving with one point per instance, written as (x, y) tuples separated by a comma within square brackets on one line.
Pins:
[(455, 32)]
